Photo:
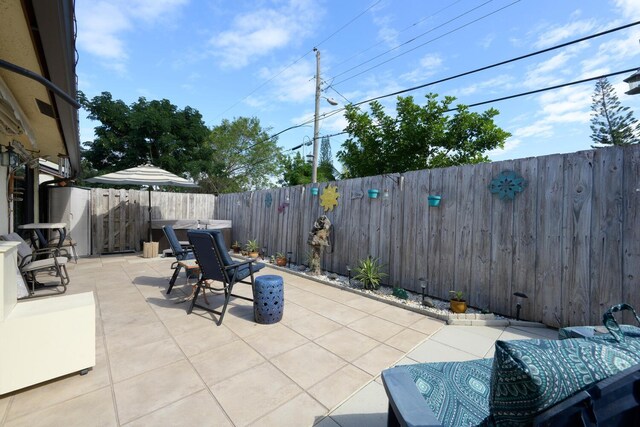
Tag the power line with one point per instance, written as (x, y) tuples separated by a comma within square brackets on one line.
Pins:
[(494, 65), (531, 92), (348, 23), (466, 73), (426, 43), (401, 31), (411, 40)]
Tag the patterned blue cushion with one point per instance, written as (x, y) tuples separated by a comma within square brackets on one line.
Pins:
[(529, 376), (456, 392)]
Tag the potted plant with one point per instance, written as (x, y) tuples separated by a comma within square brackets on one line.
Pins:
[(281, 259), (457, 302), (236, 247), (252, 248), (369, 273)]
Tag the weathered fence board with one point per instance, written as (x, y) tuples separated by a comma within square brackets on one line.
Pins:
[(631, 240), (479, 295), (524, 237), (606, 235), (502, 246), (462, 274), (578, 192)]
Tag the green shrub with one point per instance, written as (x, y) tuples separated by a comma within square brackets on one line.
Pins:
[(369, 273), (400, 293), (457, 295), (252, 246)]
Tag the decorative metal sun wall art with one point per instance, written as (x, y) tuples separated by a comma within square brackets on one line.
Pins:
[(507, 185), (329, 198)]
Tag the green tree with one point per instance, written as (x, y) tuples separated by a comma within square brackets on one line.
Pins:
[(326, 171), (157, 132), (242, 157), (296, 171), (418, 137), (611, 123)]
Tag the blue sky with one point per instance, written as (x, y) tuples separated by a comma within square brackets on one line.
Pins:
[(254, 58)]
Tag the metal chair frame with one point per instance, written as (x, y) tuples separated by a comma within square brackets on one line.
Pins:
[(180, 252), (206, 246)]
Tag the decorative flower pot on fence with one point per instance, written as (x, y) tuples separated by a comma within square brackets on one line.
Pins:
[(314, 191), (373, 193), (434, 200)]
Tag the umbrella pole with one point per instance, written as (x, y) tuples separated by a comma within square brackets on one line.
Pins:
[(150, 239)]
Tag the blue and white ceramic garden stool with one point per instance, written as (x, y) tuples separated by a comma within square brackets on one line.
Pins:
[(268, 299)]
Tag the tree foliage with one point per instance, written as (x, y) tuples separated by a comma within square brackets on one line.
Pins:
[(296, 171), (154, 132), (234, 156), (418, 137), (611, 123), (242, 157), (326, 171)]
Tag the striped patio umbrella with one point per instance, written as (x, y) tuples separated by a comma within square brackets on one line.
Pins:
[(148, 175)]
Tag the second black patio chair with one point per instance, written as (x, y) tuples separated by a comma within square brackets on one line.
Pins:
[(179, 251), (216, 265)]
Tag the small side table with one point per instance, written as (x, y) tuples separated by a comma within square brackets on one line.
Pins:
[(268, 299), (191, 268)]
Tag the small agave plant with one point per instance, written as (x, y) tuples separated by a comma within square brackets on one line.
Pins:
[(369, 273)]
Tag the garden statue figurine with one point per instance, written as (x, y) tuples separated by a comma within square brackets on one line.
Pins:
[(318, 239)]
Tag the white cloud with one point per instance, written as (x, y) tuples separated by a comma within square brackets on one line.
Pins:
[(294, 84), (510, 145), (260, 31), (630, 9), (98, 30), (539, 129), (553, 35), (429, 65), (386, 32), (504, 82), (548, 72), (102, 26), (487, 41), (567, 104)]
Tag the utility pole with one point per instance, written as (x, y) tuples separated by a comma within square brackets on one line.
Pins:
[(314, 170)]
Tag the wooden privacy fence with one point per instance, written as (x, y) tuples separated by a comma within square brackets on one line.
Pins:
[(119, 218), (570, 240)]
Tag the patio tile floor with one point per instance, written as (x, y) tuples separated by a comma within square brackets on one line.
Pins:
[(156, 365)]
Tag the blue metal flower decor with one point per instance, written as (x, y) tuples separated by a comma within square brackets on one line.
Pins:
[(507, 184), (268, 199)]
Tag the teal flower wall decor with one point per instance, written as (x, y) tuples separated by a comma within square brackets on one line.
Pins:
[(268, 199), (507, 184)]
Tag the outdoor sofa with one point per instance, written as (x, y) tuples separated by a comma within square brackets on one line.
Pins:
[(567, 382)]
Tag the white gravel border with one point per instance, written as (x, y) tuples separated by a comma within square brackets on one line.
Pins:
[(472, 317)]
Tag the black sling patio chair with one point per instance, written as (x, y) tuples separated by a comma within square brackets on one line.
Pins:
[(216, 265), (179, 251)]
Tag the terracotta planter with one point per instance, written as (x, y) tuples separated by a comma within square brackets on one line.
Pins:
[(254, 254), (281, 262), (458, 306)]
